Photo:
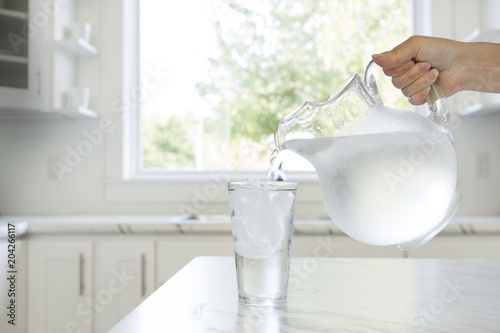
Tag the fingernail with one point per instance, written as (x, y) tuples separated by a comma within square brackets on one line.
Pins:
[(409, 64), (432, 74), (424, 67), (377, 55)]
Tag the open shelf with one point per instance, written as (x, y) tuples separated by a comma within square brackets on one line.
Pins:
[(77, 47), (19, 114), (13, 58), (13, 13), (79, 112)]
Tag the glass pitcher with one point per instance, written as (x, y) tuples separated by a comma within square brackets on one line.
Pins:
[(387, 176)]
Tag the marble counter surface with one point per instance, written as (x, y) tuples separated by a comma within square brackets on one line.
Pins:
[(186, 224), (330, 295)]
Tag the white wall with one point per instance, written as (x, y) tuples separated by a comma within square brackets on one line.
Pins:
[(26, 146), (24, 172)]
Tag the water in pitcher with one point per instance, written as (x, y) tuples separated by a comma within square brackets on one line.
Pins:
[(383, 188)]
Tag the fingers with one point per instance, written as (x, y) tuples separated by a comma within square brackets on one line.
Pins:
[(419, 98), (412, 74), (415, 82), (421, 83), (399, 70)]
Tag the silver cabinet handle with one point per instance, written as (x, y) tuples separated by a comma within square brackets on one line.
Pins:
[(143, 275), (39, 81), (81, 284)]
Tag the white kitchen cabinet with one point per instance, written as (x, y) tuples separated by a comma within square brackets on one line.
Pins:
[(59, 286), (86, 284), (175, 251), (40, 63), (22, 62), (124, 277)]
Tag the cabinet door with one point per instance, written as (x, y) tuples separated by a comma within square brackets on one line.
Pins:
[(175, 251), (124, 277), (24, 55), (59, 286)]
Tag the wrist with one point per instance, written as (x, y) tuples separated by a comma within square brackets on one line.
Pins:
[(481, 67)]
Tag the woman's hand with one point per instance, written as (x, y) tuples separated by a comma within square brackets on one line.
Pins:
[(417, 63)]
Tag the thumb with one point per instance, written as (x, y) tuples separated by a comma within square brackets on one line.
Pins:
[(398, 56)]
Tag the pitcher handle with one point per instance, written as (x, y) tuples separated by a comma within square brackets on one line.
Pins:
[(436, 100)]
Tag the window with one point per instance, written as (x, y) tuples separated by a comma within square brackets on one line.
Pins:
[(233, 69)]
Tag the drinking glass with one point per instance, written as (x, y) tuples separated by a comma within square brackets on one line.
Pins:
[(262, 225)]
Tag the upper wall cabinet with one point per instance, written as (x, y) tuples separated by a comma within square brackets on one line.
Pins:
[(20, 56), (41, 47)]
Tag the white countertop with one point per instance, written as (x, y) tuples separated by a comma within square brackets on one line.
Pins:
[(183, 224), (338, 295)]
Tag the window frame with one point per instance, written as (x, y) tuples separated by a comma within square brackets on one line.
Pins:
[(184, 192)]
